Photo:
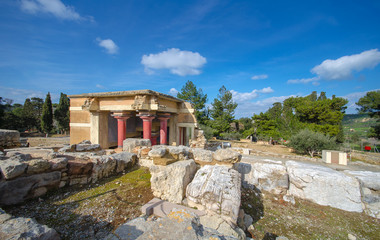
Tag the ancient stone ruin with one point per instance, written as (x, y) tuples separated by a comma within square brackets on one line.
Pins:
[(198, 191)]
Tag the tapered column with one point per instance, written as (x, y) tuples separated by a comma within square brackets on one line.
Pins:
[(121, 128), (164, 128), (147, 125)]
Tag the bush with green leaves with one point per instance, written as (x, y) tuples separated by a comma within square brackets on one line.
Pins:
[(231, 136), (309, 142), (208, 132)]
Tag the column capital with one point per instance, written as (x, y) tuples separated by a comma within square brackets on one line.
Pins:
[(164, 116), (121, 115)]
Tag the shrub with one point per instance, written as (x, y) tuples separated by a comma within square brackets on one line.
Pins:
[(231, 136), (307, 141), (208, 132)]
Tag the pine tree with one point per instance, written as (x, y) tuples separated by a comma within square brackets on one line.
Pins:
[(223, 110), (47, 115), (62, 113), (195, 96)]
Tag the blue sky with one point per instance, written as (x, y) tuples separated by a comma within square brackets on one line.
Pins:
[(263, 51)]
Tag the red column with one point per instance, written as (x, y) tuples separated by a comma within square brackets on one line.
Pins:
[(163, 129), (147, 126), (121, 129)]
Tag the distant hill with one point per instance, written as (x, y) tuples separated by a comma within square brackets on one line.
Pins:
[(359, 122)]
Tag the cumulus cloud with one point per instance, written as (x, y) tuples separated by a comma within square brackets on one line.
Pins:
[(109, 45), (173, 92), (54, 7), (247, 109), (179, 62), (343, 67), (258, 77), (243, 97)]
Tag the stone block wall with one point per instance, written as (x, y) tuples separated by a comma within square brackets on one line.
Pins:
[(30, 172), (9, 138)]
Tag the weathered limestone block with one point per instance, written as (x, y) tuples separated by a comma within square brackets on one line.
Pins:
[(79, 167), (4, 216), (180, 152), (221, 226), (370, 190), (37, 166), (9, 138), (103, 166), (130, 143), (202, 155), (26, 228), (67, 148), (22, 188), (169, 182), (217, 190), (179, 224), (79, 179), (58, 163), (11, 168), (86, 147), (265, 175), (124, 160), (18, 155), (226, 156), (157, 152), (324, 186)]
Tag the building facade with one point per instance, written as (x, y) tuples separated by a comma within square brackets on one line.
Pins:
[(110, 117)]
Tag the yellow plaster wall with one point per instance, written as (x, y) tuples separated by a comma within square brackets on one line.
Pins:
[(79, 117), (78, 134), (186, 118), (167, 103), (77, 102), (116, 101)]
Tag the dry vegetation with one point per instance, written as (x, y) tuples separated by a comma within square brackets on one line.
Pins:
[(91, 212)]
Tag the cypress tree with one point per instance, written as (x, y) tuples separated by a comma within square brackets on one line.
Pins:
[(47, 115)]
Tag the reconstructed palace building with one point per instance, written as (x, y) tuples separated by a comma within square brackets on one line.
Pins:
[(110, 117)]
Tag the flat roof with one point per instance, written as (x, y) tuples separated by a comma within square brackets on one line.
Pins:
[(126, 93)]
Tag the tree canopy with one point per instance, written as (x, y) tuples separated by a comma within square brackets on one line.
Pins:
[(370, 103), (319, 114), (47, 115), (62, 113), (195, 96), (223, 110)]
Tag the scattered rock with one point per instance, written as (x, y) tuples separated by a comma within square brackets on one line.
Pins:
[(265, 175), (289, 198), (87, 147), (26, 187), (169, 182), (216, 189), (58, 163), (180, 152), (324, 186), (26, 228), (351, 237), (130, 143), (226, 156), (157, 152), (79, 167), (202, 155), (9, 138), (124, 160), (37, 166), (12, 168)]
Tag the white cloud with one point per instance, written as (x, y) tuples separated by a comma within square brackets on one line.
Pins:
[(303, 80), (173, 92), (258, 77), (100, 86), (243, 97), (179, 62), (247, 109), (343, 67), (54, 7), (109, 45)]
